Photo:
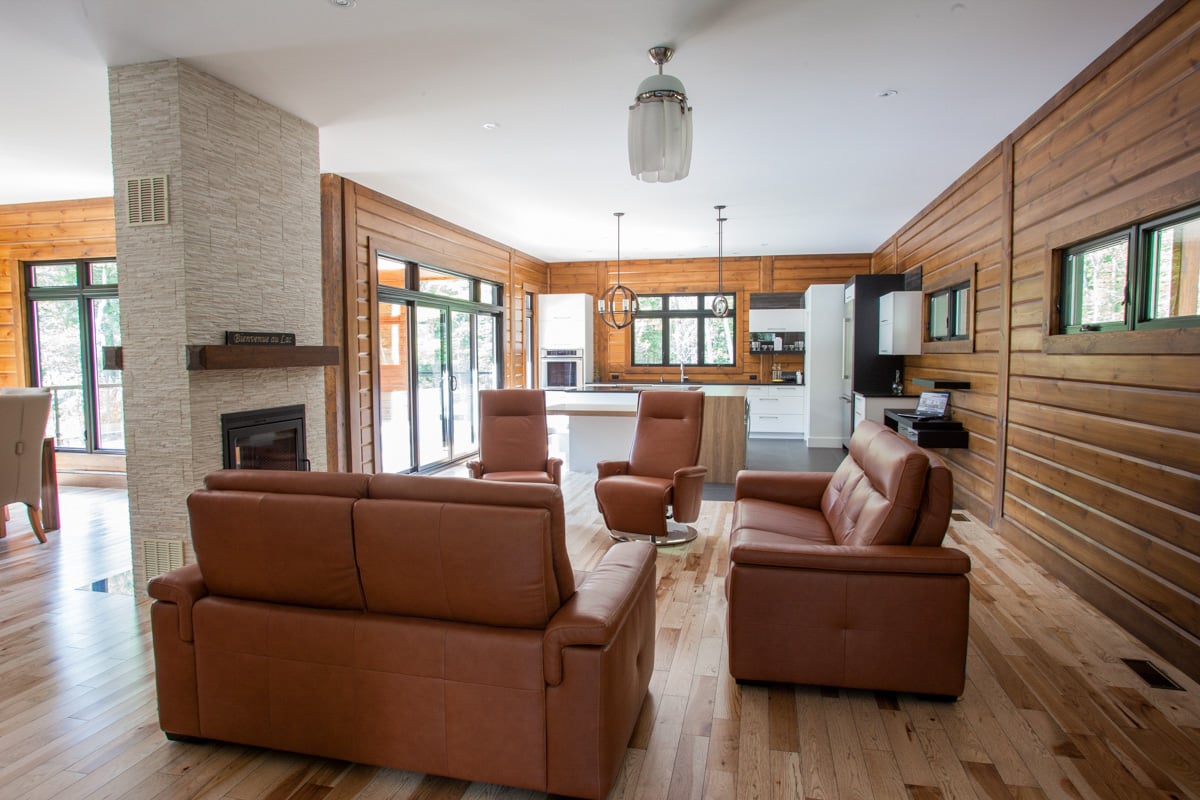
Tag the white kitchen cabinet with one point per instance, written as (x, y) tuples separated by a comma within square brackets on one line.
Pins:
[(776, 411), (565, 322), (900, 324), (777, 320), (872, 407)]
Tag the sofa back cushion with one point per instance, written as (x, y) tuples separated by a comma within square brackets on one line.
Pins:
[(873, 496), (933, 516), (464, 550), (278, 537)]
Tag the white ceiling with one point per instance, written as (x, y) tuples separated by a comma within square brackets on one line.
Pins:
[(790, 132)]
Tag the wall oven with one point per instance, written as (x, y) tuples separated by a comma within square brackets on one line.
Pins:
[(563, 368)]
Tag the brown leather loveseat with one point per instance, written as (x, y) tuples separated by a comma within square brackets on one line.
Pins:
[(840, 579), (427, 624)]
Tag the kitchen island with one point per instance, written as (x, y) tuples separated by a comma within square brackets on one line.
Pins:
[(601, 419)]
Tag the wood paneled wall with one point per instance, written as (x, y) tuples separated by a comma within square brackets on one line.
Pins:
[(357, 223), (741, 277), (1084, 448), (958, 238), (43, 232)]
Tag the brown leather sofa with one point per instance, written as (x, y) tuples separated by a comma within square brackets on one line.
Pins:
[(427, 624), (840, 579)]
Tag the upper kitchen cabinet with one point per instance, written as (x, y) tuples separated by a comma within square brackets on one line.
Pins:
[(565, 321), (900, 324), (777, 322)]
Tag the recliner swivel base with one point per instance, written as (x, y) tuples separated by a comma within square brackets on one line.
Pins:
[(677, 533)]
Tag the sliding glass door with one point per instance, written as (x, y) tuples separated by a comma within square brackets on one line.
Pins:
[(443, 342)]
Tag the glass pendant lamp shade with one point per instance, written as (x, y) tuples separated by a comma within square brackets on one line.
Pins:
[(660, 126)]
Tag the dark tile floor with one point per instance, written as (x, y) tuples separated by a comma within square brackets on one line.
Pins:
[(780, 454)]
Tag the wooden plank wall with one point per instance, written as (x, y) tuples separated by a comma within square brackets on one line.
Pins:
[(955, 237), (1085, 449), (358, 223), (43, 232), (741, 277)]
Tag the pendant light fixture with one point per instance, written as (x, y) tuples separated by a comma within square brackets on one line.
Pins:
[(660, 126), (619, 304), (720, 305)]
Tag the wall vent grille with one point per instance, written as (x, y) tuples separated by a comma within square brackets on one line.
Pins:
[(147, 199), (161, 555)]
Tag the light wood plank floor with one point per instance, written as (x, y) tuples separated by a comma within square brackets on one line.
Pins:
[(1049, 709)]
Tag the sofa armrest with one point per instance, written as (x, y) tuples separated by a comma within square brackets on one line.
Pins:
[(183, 587), (606, 469), (554, 470), (760, 548), (803, 489), (600, 605)]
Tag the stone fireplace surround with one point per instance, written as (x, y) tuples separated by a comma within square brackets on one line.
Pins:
[(241, 251)]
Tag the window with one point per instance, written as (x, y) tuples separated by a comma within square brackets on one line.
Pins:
[(681, 329), (1144, 277), (1095, 276), (439, 345), (74, 314), (949, 313), (1172, 271)]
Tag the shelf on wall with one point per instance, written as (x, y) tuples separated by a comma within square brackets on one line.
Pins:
[(931, 383), (248, 356)]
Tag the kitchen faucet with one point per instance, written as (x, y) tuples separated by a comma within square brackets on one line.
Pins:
[(682, 375)]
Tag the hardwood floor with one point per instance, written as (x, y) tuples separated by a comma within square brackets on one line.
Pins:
[(1050, 709)]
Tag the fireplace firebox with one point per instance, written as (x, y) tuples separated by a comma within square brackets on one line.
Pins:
[(267, 438)]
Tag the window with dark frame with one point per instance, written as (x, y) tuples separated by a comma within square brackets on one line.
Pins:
[(949, 313), (681, 329), (1143, 277), (74, 313)]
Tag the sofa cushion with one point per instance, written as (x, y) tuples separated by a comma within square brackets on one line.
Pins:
[(797, 522), (491, 493), (874, 495), (296, 549), (456, 561)]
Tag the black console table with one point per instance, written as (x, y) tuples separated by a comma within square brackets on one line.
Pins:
[(926, 433)]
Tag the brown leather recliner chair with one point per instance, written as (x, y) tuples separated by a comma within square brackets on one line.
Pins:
[(661, 479), (513, 438), (840, 579)]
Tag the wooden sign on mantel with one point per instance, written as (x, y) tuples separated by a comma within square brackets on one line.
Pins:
[(259, 338)]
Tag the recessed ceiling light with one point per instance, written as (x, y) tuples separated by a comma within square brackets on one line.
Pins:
[(888, 93), (491, 126), (344, 3)]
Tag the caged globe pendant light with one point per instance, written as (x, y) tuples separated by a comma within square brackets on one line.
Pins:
[(619, 303), (660, 126), (720, 304)]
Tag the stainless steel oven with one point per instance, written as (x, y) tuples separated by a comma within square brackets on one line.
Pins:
[(563, 369)]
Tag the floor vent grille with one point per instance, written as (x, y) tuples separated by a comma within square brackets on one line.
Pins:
[(1151, 674), (958, 516), (161, 555)]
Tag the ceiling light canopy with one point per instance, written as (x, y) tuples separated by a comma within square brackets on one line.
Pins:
[(660, 126)]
